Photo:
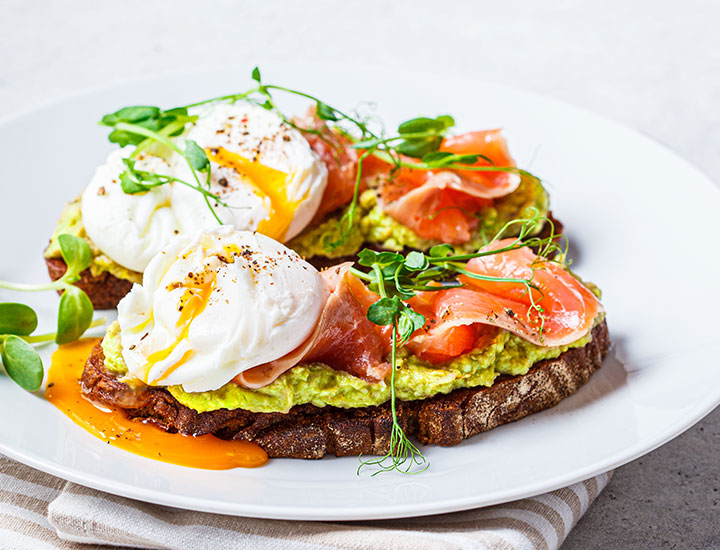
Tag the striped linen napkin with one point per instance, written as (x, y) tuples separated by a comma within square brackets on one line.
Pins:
[(41, 511)]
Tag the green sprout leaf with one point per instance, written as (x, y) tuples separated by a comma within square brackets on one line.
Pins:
[(196, 156), (438, 158), (408, 322), (76, 253), (131, 115), (384, 311), (174, 115), (17, 319), (325, 112), (22, 363), (74, 315), (131, 185), (442, 250), (417, 148), (416, 261), (471, 159), (424, 124), (256, 74), (124, 139), (441, 159), (369, 258), (172, 122), (423, 135)]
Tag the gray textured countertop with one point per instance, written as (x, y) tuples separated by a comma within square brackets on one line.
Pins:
[(669, 498), (653, 65)]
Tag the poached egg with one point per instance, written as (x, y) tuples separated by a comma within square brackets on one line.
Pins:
[(130, 229), (216, 305), (261, 168)]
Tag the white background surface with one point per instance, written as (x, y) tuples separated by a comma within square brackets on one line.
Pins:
[(653, 65)]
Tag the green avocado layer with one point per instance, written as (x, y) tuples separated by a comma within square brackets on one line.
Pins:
[(373, 225), (322, 385), (71, 222)]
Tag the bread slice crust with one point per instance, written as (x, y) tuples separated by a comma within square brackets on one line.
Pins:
[(104, 290), (310, 432)]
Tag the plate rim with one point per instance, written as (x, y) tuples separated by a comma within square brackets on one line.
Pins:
[(260, 511)]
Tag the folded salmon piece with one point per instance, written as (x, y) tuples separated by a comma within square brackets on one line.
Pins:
[(569, 308), (340, 158), (344, 338), (458, 320), (440, 205)]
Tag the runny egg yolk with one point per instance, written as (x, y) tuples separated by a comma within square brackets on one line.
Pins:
[(198, 289), (267, 182), (112, 426)]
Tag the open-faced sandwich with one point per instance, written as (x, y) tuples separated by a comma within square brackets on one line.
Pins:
[(233, 334), (326, 184), (312, 286)]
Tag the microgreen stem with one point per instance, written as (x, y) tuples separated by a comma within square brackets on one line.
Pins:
[(361, 274), (150, 134), (163, 139), (228, 97), (166, 131), (348, 218), (55, 285), (50, 336), (380, 281)]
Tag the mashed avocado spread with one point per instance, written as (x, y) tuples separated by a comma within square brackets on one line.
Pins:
[(322, 385), (373, 225), (71, 222)]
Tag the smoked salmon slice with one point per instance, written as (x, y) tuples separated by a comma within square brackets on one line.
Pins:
[(340, 158), (440, 205), (491, 144), (343, 338), (458, 319), (437, 205), (441, 209), (569, 308)]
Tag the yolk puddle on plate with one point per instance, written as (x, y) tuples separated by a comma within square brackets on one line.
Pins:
[(113, 426)]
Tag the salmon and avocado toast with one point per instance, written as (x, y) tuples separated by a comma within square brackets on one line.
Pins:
[(346, 187), (441, 345), (320, 285)]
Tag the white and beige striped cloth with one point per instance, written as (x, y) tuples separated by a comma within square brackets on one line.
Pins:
[(38, 511)]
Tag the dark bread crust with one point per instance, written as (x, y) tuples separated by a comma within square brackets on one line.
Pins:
[(311, 432), (104, 290)]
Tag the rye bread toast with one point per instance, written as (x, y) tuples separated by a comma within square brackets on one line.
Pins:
[(311, 432), (104, 290)]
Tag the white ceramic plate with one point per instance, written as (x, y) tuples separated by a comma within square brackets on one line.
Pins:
[(643, 225)]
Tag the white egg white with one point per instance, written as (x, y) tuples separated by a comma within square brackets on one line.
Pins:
[(259, 137), (130, 229), (263, 171), (213, 306)]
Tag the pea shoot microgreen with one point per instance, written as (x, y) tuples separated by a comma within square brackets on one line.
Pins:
[(18, 321), (146, 126), (396, 278), (415, 145)]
